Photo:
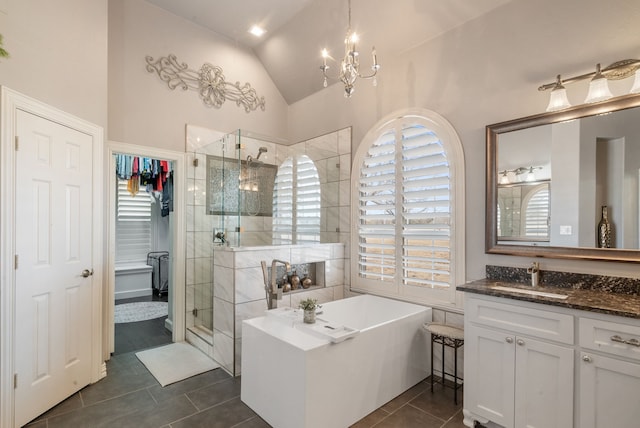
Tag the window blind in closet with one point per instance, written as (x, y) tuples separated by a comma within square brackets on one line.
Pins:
[(133, 225)]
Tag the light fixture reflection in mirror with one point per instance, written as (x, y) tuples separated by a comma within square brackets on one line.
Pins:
[(520, 174), (582, 215)]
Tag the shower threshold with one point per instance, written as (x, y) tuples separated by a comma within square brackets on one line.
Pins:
[(203, 333)]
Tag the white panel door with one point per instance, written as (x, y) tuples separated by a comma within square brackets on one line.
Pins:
[(53, 247)]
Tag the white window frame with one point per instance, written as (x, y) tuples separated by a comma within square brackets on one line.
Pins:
[(437, 297)]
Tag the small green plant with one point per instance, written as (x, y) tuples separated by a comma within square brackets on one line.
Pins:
[(3, 53), (309, 304)]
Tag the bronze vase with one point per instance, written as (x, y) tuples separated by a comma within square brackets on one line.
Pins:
[(604, 229)]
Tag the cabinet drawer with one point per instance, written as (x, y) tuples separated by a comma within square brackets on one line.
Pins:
[(521, 320), (610, 337)]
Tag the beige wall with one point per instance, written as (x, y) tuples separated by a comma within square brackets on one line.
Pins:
[(58, 54), (143, 110), (483, 72)]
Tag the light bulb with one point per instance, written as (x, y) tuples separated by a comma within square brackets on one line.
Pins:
[(598, 88), (635, 89), (558, 99), (530, 175)]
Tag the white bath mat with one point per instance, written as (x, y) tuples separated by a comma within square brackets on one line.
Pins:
[(139, 311), (175, 362)]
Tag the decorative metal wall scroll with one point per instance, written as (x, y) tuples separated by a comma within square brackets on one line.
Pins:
[(208, 81)]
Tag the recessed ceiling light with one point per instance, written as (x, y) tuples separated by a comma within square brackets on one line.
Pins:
[(257, 31)]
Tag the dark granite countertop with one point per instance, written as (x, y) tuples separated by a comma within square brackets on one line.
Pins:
[(620, 304)]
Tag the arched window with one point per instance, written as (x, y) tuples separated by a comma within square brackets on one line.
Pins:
[(296, 202), (536, 212), (408, 209)]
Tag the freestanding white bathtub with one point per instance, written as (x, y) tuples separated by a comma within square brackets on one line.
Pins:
[(295, 377)]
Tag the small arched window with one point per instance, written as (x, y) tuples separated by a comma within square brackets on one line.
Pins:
[(296, 202), (408, 209)]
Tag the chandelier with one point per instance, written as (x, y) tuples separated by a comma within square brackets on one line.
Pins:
[(350, 67)]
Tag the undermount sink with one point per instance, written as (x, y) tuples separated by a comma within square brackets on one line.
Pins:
[(530, 292)]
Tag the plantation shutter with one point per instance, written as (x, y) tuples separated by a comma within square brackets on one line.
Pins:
[(308, 203), (377, 210), (133, 225), (426, 209), (296, 213), (422, 197), (537, 214), (283, 204)]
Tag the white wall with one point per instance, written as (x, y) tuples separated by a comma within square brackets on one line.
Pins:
[(565, 176), (144, 111), (483, 72), (58, 54)]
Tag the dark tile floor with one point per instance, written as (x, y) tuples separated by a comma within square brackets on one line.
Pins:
[(131, 397), (134, 336)]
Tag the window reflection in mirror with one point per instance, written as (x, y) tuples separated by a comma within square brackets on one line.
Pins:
[(523, 212)]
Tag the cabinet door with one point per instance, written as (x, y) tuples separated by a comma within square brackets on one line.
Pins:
[(489, 374), (609, 392), (544, 384)]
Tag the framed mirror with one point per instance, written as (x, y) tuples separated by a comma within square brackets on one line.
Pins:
[(549, 177)]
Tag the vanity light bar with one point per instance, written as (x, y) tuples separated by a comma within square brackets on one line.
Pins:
[(504, 175), (598, 87)]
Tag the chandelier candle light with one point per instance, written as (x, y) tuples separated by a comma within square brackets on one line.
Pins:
[(598, 87), (350, 67)]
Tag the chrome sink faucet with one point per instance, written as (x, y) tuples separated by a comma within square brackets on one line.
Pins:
[(534, 271)]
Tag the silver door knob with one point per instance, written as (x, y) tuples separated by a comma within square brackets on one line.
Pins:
[(586, 358), (520, 342), (87, 273), (508, 339)]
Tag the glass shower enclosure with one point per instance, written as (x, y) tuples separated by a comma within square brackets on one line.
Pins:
[(229, 203)]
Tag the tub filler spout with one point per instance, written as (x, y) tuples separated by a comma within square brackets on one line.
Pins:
[(270, 284)]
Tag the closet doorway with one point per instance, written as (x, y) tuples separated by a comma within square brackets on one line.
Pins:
[(145, 267)]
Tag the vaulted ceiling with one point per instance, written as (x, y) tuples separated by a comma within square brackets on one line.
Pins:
[(297, 30)]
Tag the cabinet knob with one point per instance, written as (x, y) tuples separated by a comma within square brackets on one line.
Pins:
[(586, 358), (508, 339), (520, 342)]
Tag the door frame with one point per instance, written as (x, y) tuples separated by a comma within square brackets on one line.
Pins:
[(10, 103), (178, 238)]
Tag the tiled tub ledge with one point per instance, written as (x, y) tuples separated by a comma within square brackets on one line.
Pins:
[(604, 294)]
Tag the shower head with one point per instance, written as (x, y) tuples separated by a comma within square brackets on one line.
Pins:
[(255, 162), (261, 150)]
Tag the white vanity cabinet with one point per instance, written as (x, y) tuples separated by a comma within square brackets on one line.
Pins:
[(609, 371), (519, 364)]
